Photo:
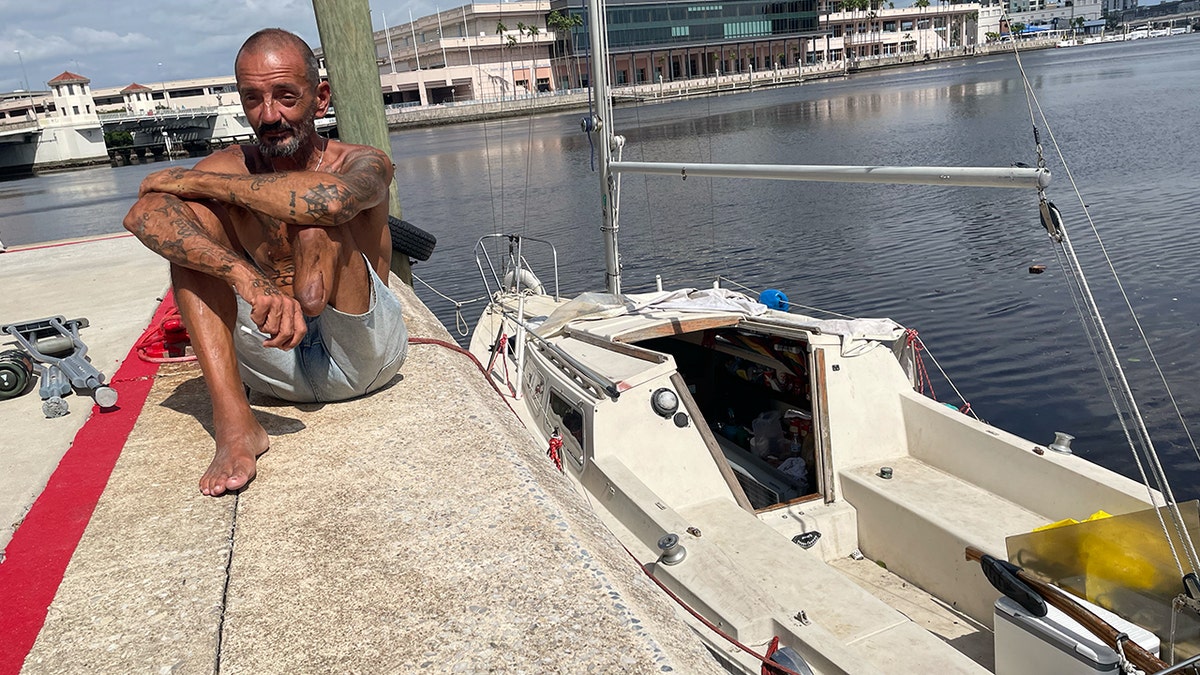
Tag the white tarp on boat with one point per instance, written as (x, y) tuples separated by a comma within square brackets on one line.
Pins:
[(857, 333)]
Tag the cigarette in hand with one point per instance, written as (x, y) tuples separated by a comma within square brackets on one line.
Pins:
[(251, 331)]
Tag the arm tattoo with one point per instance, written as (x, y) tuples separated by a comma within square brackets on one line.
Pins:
[(321, 199), (175, 232)]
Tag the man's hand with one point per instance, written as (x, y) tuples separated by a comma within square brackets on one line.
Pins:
[(276, 313)]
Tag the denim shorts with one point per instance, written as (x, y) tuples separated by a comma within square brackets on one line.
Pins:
[(341, 357)]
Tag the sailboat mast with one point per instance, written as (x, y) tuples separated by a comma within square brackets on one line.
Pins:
[(601, 123)]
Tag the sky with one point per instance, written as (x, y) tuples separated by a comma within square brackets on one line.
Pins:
[(118, 42)]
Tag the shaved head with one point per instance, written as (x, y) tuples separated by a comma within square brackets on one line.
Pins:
[(271, 40)]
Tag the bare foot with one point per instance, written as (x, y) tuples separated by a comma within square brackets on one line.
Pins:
[(235, 463)]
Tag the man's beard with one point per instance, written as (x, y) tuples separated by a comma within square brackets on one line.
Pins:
[(301, 133)]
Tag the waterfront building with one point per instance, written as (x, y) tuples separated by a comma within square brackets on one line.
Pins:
[(870, 33), (474, 52), (673, 39), (202, 92), (492, 51), (1115, 6), (1061, 16), (50, 128), (1057, 14)]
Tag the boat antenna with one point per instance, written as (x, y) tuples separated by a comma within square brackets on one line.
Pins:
[(600, 122)]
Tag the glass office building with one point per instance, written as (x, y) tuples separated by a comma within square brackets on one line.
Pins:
[(670, 39)]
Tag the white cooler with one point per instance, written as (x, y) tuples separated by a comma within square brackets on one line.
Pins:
[(1056, 644)]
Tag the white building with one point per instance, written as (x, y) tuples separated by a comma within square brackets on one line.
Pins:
[(931, 30), (51, 128), (481, 50)]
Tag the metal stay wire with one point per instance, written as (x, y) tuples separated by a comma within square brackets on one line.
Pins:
[(1120, 380)]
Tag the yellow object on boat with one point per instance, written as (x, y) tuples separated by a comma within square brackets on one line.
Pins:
[(1099, 515)]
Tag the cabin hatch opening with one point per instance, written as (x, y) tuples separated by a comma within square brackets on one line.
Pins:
[(755, 393)]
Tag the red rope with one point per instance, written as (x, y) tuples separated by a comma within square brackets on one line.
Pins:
[(555, 451), (166, 336), (460, 350), (781, 670), (923, 380)]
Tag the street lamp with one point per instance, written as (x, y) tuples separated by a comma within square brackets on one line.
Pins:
[(25, 77), (163, 82)]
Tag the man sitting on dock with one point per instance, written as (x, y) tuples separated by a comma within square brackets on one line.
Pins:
[(278, 253)]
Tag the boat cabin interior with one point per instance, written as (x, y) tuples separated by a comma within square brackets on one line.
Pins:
[(754, 392)]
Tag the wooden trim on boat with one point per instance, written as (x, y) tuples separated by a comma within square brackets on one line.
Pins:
[(678, 326), (710, 442), (618, 347), (823, 457)]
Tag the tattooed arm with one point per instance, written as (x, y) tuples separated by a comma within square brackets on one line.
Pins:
[(295, 197), (182, 232)]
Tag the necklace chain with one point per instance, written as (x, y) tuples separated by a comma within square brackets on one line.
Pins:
[(322, 158)]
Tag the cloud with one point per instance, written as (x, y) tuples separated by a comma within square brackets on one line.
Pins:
[(115, 44)]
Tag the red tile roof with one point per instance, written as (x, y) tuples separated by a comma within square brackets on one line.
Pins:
[(68, 77)]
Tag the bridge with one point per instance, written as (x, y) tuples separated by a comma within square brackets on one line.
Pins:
[(31, 144), (195, 131)]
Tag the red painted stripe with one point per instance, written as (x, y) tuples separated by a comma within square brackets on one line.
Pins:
[(37, 556), (67, 243)]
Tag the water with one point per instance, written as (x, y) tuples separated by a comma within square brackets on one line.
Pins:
[(950, 263)]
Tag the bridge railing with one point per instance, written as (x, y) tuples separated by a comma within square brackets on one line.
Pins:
[(160, 113), (19, 125)]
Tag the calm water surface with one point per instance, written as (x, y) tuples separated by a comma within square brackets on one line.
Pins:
[(950, 263)]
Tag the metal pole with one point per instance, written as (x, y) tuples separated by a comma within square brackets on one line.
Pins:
[(25, 78), (412, 27), (470, 61), (162, 81), (602, 123), (441, 38), (24, 75), (387, 37), (349, 46), (1000, 177)]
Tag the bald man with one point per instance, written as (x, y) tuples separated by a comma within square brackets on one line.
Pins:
[(278, 253)]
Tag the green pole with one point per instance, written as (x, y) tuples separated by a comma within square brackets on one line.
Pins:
[(349, 48)]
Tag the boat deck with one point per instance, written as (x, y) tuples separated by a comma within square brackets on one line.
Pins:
[(966, 635)]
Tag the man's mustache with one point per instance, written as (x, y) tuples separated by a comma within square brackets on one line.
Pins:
[(273, 127)]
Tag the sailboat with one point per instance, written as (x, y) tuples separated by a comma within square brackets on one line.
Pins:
[(782, 478)]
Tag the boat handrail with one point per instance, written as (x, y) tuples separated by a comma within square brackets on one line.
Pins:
[(514, 262)]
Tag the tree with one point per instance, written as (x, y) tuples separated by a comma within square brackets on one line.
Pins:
[(533, 33), (118, 139), (563, 25), (1017, 28)]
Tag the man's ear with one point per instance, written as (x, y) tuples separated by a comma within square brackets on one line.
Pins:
[(324, 98)]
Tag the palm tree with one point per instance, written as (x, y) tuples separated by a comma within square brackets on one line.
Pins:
[(501, 29), (533, 33), (563, 26)]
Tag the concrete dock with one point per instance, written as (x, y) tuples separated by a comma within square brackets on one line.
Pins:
[(416, 529)]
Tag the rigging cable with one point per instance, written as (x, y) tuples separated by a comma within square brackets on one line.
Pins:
[(460, 323), (1118, 384)]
